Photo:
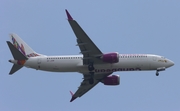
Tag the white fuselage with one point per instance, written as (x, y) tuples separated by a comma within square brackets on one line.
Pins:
[(74, 63)]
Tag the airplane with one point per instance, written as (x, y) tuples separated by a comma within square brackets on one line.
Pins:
[(94, 65)]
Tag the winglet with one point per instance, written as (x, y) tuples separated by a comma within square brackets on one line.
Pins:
[(73, 98), (68, 15)]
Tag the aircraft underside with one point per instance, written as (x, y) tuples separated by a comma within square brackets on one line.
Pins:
[(95, 65)]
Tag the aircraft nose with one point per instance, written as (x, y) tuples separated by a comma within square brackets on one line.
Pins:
[(170, 63)]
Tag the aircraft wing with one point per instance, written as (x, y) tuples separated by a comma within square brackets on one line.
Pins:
[(85, 86), (89, 50)]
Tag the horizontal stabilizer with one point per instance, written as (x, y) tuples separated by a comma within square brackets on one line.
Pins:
[(15, 52), (17, 56), (15, 68)]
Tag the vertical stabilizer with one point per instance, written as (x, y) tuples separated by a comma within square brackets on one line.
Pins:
[(22, 46)]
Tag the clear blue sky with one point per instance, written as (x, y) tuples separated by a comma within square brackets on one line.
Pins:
[(129, 26)]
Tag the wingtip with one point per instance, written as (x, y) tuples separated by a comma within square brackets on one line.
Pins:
[(68, 15), (73, 98)]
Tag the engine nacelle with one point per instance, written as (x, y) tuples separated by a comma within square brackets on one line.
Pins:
[(110, 57), (111, 80)]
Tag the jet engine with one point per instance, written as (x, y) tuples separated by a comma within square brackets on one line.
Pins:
[(110, 57), (111, 80)]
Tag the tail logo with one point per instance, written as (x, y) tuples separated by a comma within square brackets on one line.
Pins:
[(20, 48)]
